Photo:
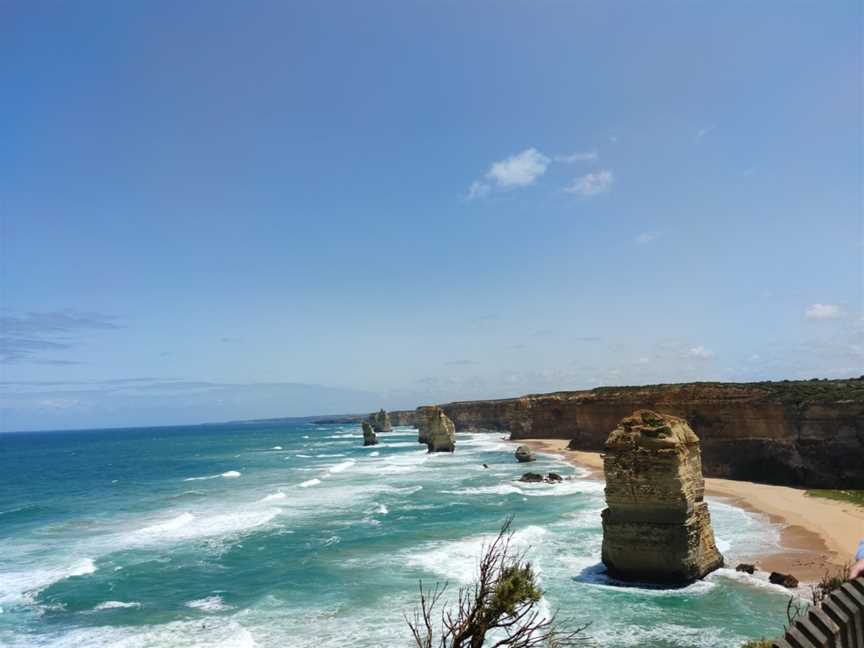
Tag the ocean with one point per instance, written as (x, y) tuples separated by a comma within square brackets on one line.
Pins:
[(282, 535)]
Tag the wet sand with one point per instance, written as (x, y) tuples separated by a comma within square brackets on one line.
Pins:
[(818, 535)]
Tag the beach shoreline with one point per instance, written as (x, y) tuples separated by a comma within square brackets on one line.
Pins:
[(817, 536)]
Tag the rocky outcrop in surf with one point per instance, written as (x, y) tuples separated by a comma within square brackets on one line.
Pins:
[(524, 454), (802, 433), (380, 421), (441, 433), (369, 436), (656, 526)]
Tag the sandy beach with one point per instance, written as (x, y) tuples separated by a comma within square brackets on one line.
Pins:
[(818, 534)]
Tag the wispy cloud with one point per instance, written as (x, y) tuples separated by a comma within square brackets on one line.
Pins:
[(701, 352), (478, 189), (25, 337), (823, 312), (702, 132), (570, 158), (646, 237), (591, 184)]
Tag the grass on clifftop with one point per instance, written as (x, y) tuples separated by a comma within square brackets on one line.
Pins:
[(855, 497)]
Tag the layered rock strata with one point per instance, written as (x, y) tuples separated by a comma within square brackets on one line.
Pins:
[(802, 433), (656, 526)]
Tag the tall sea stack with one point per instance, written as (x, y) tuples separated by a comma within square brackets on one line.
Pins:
[(423, 421), (440, 432), (656, 526)]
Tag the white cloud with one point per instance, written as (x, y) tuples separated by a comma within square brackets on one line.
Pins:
[(569, 158), (591, 184), (478, 190), (822, 312), (646, 237), (702, 132), (519, 170), (701, 352)]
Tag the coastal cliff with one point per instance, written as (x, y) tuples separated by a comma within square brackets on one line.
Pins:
[(805, 433)]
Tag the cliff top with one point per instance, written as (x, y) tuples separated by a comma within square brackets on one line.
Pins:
[(790, 392), (648, 429)]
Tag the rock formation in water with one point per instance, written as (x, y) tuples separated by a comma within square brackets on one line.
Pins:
[(380, 422), (422, 420), (656, 526), (369, 436), (524, 454), (441, 433), (803, 433)]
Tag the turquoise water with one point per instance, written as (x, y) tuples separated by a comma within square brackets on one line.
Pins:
[(295, 535)]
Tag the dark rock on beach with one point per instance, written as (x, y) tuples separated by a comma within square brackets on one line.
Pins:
[(786, 580)]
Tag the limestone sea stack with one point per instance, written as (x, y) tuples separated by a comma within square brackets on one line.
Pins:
[(380, 422), (441, 433), (423, 418), (656, 526), (369, 436)]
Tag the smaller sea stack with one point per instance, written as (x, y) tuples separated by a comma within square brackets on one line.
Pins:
[(369, 436), (656, 526)]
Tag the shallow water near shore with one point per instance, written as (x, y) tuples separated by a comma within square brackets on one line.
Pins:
[(295, 535)]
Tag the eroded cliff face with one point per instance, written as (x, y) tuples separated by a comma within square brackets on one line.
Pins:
[(380, 421), (806, 433), (656, 526), (403, 418)]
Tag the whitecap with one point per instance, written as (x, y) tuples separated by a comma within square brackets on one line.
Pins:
[(187, 527), (310, 482), (209, 604), (497, 489), (273, 497), (231, 474), (303, 456), (341, 467), (25, 585), (457, 559), (374, 454), (276, 448), (115, 605)]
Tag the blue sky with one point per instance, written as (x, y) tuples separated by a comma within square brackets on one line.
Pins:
[(219, 210)]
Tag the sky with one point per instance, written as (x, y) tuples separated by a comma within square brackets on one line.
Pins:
[(228, 210)]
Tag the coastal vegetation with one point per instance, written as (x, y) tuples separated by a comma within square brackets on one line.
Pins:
[(855, 497), (501, 605)]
